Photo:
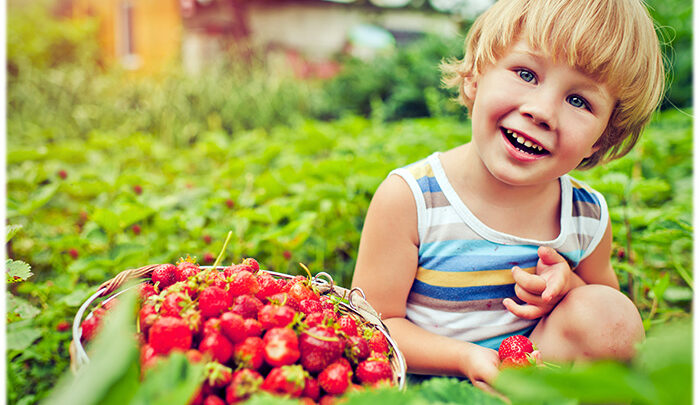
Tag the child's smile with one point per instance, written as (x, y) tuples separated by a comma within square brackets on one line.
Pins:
[(535, 119), (523, 144)]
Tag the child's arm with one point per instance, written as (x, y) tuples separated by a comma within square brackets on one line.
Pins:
[(553, 278), (386, 267)]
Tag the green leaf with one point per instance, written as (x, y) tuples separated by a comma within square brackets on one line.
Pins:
[(598, 382), (20, 308), (38, 199), (11, 231), (107, 220), (76, 298), (454, 391), (111, 376), (172, 382), (21, 335), (17, 271)]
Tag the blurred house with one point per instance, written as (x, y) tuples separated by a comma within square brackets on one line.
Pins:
[(148, 35)]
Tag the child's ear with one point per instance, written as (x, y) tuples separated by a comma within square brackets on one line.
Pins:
[(470, 87)]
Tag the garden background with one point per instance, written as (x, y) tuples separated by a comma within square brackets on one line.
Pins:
[(108, 171)]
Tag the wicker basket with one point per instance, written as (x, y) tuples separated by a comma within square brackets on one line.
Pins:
[(354, 302)]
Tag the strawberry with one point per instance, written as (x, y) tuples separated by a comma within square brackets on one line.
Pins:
[(347, 325), (302, 290), (218, 375), (185, 270), (281, 347), (252, 327), (252, 263), (174, 304), (268, 286), (327, 302), (378, 343), (373, 370), (249, 353), (308, 306), (212, 325), (169, 333), (216, 278), (147, 315), (146, 290), (247, 306), (319, 346), (514, 345), (356, 349), (271, 316), (213, 301), (148, 356), (315, 319), (517, 361), (193, 355), (243, 283), (91, 325), (311, 389), (285, 380), (335, 378), (164, 275), (245, 382), (213, 400), (233, 327), (217, 346)]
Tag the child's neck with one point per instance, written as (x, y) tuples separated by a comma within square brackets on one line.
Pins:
[(531, 211)]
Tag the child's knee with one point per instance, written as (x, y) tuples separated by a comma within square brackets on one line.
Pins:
[(602, 321)]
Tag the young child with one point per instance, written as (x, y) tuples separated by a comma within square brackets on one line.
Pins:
[(494, 238)]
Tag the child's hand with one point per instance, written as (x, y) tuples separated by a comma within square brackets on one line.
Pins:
[(481, 366), (544, 289)]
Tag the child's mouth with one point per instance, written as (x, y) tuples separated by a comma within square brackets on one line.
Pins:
[(523, 144)]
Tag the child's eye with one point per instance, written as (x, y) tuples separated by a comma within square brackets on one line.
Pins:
[(526, 75), (578, 102)]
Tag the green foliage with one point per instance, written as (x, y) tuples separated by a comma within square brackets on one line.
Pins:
[(675, 28), (403, 84)]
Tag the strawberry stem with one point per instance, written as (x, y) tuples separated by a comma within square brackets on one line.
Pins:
[(223, 249), (307, 270)]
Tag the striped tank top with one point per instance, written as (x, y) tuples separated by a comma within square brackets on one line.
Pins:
[(464, 267)]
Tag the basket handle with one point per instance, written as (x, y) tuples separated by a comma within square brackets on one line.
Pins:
[(124, 276)]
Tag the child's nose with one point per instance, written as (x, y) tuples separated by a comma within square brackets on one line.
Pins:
[(541, 110)]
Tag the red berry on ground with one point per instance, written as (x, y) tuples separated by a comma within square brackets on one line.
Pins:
[(287, 254), (62, 326), (229, 203), (138, 189), (206, 239), (208, 258), (62, 174), (73, 252), (136, 229)]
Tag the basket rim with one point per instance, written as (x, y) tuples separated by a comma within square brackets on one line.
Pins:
[(112, 289)]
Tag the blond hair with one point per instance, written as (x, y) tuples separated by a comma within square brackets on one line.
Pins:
[(613, 41)]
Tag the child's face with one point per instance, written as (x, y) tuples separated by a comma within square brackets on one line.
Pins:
[(534, 119)]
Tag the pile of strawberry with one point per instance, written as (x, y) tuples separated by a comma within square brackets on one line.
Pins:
[(255, 332)]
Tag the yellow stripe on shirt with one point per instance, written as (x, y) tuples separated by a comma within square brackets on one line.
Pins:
[(467, 278)]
